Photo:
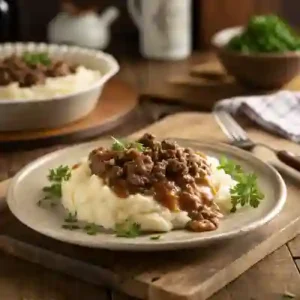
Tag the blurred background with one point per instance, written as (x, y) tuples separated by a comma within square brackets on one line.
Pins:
[(31, 18)]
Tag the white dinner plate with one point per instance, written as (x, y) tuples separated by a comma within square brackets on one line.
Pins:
[(26, 189)]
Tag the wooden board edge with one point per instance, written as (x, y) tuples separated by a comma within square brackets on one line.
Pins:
[(222, 279), (68, 138)]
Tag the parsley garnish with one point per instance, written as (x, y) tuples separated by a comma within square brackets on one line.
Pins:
[(155, 237), (119, 145), (70, 226), (36, 58), (71, 218), (92, 229), (128, 230), (246, 191), (62, 173), (230, 167), (56, 177)]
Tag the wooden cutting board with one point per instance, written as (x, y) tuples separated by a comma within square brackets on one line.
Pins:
[(115, 106), (204, 84), (181, 275)]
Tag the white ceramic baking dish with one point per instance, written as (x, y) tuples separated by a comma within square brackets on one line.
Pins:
[(17, 115)]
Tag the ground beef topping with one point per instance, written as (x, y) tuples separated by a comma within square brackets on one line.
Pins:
[(32, 69), (178, 178)]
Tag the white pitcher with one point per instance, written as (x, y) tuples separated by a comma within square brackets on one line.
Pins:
[(164, 26), (88, 29)]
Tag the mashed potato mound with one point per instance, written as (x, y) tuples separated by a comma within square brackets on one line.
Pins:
[(53, 87), (94, 202)]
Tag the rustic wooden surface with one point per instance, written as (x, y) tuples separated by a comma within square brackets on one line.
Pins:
[(268, 279), (116, 105), (194, 274), (203, 84)]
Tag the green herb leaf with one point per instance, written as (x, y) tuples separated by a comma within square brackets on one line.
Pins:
[(62, 173), (36, 58), (266, 33), (70, 226), (119, 145), (137, 146), (246, 191), (230, 167), (52, 191), (92, 229), (71, 218), (128, 230), (155, 237), (56, 177)]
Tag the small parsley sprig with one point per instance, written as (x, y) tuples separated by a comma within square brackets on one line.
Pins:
[(119, 145), (71, 218), (33, 59), (55, 177), (128, 229), (92, 229), (230, 167), (155, 237), (246, 190)]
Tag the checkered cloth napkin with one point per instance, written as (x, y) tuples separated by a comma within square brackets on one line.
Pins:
[(278, 113)]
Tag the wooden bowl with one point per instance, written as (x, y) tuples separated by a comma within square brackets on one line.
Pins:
[(263, 70)]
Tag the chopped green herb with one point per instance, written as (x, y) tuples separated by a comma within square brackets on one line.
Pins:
[(54, 190), (62, 173), (36, 58), (155, 237), (230, 167), (56, 177), (288, 295), (119, 145), (92, 229), (265, 34), (128, 230), (137, 146), (70, 226), (246, 191), (71, 218)]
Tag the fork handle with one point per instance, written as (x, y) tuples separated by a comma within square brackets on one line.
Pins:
[(289, 159)]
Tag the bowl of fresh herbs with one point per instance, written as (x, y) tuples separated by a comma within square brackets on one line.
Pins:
[(263, 54)]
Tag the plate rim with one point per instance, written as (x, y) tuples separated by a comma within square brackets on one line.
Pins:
[(159, 245)]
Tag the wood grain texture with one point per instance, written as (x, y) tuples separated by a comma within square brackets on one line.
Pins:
[(267, 280), (294, 246), (206, 83), (233, 13), (116, 103), (36, 283), (180, 275), (298, 264)]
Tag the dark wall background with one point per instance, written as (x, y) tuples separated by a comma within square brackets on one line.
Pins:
[(209, 16), (36, 14)]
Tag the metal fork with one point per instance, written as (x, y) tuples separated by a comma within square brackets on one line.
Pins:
[(240, 139)]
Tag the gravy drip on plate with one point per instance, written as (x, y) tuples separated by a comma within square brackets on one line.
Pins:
[(17, 69), (176, 177)]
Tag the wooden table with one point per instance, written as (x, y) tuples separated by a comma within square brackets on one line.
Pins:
[(21, 280)]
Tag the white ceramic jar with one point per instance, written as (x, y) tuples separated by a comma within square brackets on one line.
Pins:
[(87, 29), (164, 26)]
